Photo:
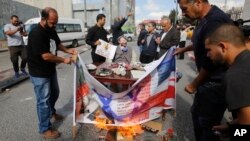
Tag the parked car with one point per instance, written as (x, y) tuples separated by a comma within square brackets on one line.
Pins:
[(70, 31), (129, 35)]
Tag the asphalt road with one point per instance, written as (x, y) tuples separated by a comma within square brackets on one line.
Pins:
[(18, 119)]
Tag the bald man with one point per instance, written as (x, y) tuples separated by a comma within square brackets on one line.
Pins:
[(43, 43)]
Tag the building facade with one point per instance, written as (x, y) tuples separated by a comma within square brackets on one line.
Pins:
[(111, 8), (246, 11), (26, 9)]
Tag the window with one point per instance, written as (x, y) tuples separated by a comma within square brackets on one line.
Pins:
[(64, 28)]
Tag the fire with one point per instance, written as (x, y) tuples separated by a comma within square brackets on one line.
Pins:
[(123, 132), (130, 130)]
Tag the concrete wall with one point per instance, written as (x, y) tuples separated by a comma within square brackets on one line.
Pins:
[(246, 11), (26, 9), (92, 11), (111, 8), (23, 11), (63, 7)]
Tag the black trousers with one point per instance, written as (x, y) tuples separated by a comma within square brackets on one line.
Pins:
[(145, 59), (182, 45), (96, 57), (15, 52), (207, 111)]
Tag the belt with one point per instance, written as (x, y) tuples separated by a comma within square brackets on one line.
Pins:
[(17, 46), (215, 80)]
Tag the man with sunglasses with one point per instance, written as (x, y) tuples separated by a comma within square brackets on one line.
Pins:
[(209, 102), (43, 43), (15, 32)]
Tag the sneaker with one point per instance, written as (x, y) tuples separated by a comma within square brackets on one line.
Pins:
[(17, 75), (24, 72), (57, 117), (51, 134)]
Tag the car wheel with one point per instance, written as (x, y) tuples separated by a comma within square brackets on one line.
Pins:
[(130, 39), (74, 43)]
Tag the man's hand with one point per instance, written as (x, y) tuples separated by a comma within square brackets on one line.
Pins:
[(72, 51), (179, 51), (223, 129), (190, 88), (67, 61), (97, 42), (158, 40), (130, 14)]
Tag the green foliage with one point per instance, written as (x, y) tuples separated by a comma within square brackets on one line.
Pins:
[(186, 20), (129, 28), (172, 15)]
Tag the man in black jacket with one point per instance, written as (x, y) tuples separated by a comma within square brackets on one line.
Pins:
[(141, 36), (94, 34), (117, 28), (149, 44)]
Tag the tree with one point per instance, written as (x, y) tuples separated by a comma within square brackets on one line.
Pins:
[(172, 15), (186, 20)]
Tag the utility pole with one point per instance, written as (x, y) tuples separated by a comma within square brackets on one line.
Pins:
[(85, 14), (176, 12), (110, 12)]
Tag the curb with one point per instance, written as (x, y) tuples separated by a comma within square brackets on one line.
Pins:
[(3, 50), (11, 81)]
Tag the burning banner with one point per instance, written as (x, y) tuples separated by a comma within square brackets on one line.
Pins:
[(142, 102)]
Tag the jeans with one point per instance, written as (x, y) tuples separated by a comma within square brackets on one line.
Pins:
[(208, 110), (47, 92), (141, 47), (145, 59)]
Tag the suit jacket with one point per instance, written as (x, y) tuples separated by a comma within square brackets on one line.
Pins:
[(117, 30), (127, 57), (151, 47), (141, 36), (171, 39)]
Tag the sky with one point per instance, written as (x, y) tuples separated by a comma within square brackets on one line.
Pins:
[(155, 9)]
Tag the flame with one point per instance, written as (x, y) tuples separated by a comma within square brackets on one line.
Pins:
[(130, 130), (124, 131)]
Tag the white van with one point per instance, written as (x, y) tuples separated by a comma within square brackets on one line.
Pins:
[(70, 31)]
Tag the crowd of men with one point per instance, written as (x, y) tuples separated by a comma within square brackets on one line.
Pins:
[(221, 55)]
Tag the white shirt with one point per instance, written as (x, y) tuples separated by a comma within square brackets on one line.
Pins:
[(183, 36)]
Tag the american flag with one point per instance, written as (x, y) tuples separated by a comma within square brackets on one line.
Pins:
[(145, 100)]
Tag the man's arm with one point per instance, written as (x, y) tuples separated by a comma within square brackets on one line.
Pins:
[(244, 116), (55, 59), (11, 32), (67, 50), (182, 50), (24, 33), (89, 37), (122, 22), (200, 79)]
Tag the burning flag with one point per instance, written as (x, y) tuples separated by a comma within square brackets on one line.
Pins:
[(142, 102)]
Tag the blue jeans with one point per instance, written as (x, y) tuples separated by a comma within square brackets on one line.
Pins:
[(47, 92), (208, 110), (141, 48)]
